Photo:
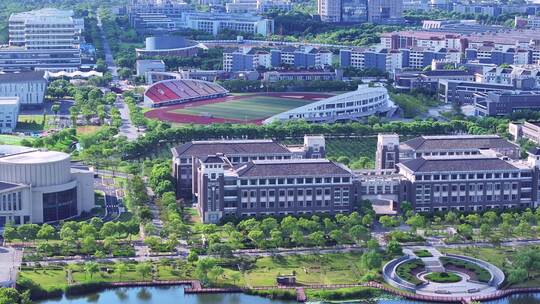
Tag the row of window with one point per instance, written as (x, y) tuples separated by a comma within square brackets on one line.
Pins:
[(463, 176), (470, 187), (294, 181), (11, 201)]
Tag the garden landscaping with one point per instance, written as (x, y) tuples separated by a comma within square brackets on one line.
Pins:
[(443, 277), (408, 271), (475, 272), (423, 253)]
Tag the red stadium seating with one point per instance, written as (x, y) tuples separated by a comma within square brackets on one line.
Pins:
[(176, 91)]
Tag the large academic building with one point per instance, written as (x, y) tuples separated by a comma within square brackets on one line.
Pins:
[(38, 186)]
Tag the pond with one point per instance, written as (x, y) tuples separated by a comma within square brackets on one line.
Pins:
[(175, 295)]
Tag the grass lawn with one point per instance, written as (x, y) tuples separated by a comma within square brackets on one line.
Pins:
[(47, 279), (86, 130), (309, 269), (257, 107), (32, 123), (11, 139)]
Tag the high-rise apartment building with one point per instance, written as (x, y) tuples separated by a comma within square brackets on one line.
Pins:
[(329, 10)]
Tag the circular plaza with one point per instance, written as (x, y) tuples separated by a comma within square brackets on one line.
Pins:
[(425, 271)]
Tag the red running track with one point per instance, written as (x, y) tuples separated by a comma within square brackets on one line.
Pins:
[(166, 114)]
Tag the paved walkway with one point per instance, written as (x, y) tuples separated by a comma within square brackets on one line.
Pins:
[(10, 261)]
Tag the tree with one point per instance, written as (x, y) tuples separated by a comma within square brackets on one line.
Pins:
[(416, 221), (517, 275), (215, 272), (317, 238), (485, 231), (88, 245), (144, 269), (371, 260), (28, 231), (90, 268), (121, 269), (202, 268), (388, 221), (276, 237), (192, 256), (394, 248), (9, 296), (359, 233), (528, 259), (257, 237), (46, 232), (108, 229), (465, 230), (10, 232)]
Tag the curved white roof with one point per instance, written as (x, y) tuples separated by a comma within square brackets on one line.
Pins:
[(35, 157)]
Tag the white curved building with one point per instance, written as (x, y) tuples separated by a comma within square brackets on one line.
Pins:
[(40, 186), (363, 102)]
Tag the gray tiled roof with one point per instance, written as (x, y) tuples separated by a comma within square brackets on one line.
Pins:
[(455, 142), (306, 167), (206, 148), (22, 76), (457, 164)]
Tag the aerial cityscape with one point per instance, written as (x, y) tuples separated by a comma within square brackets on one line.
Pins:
[(269, 151)]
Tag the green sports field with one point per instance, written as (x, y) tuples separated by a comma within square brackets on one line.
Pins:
[(249, 108)]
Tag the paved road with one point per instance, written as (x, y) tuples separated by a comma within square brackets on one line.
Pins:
[(127, 128), (107, 186)]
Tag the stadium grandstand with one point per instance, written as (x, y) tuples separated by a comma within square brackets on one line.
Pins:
[(176, 91)]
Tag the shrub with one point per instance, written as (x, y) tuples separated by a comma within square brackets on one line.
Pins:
[(443, 277), (405, 271), (344, 293), (283, 294), (423, 253), (482, 274)]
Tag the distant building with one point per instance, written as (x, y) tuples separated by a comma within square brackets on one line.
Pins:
[(428, 80), (385, 11), (528, 129), (245, 59), (505, 102), (9, 113), (257, 6), (359, 11), (463, 92), (156, 16), (355, 105), (45, 39), (144, 66), (214, 23), (169, 46), (29, 87), (531, 21), (311, 75)]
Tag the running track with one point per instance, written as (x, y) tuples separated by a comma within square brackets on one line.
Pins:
[(167, 114)]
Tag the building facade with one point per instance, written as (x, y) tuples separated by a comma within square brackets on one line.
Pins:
[(237, 152), (40, 186), (505, 102), (29, 87), (9, 113), (355, 105), (45, 39)]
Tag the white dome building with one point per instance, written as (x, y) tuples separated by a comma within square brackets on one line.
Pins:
[(40, 186)]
